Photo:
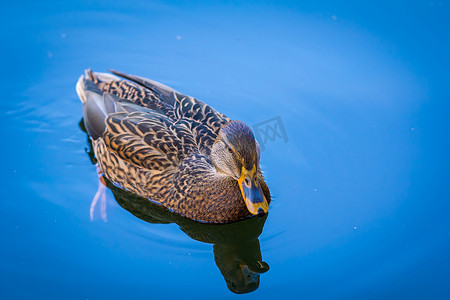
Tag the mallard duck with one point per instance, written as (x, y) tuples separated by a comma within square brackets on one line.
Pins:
[(172, 149)]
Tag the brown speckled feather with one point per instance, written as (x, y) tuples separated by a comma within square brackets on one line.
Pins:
[(156, 143)]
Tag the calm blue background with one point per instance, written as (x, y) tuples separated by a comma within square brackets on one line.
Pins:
[(361, 190)]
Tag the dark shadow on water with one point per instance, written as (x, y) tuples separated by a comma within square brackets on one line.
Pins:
[(237, 252)]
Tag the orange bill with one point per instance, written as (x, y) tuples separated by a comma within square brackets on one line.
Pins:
[(252, 193)]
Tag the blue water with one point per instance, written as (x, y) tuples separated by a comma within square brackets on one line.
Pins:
[(360, 185)]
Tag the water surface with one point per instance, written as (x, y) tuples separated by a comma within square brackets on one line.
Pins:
[(360, 207)]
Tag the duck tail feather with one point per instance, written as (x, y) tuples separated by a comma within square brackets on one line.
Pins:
[(96, 104), (80, 88)]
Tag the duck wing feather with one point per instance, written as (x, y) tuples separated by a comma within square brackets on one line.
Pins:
[(202, 120)]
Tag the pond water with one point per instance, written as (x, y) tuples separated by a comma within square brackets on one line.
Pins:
[(350, 102)]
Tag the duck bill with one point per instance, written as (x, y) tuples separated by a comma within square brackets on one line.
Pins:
[(252, 193)]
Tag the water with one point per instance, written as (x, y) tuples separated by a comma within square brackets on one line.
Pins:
[(360, 184)]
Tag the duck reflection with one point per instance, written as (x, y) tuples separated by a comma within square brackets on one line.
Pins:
[(236, 247)]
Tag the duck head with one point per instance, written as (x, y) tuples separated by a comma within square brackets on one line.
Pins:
[(236, 154)]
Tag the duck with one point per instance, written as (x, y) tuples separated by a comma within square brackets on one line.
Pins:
[(172, 149)]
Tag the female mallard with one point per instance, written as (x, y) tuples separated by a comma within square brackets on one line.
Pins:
[(172, 149)]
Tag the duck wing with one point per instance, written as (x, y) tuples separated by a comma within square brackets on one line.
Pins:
[(139, 135), (148, 139), (138, 149), (162, 91), (203, 120)]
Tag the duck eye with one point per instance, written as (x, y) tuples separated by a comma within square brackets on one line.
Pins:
[(230, 150)]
